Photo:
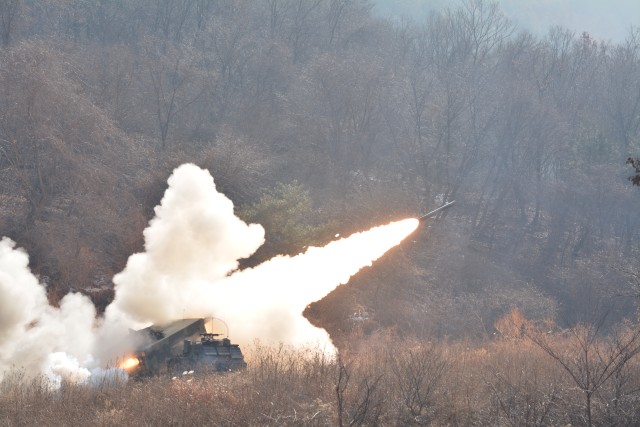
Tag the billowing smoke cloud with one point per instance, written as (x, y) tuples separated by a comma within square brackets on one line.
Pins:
[(194, 236), (35, 335), (188, 269), (195, 242)]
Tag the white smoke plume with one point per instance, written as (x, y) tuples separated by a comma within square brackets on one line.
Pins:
[(60, 367), (35, 335), (194, 243), (188, 269), (194, 236)]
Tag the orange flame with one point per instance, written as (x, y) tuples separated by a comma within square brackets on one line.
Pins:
[(130, 363)]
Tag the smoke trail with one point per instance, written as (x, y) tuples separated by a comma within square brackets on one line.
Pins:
[(268, 300), (188, 269), (194, 243)]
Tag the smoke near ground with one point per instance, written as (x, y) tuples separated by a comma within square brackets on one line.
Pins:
[(33, 334), (188, 269)]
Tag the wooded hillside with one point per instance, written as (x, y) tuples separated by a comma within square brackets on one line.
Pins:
[(317, 118)]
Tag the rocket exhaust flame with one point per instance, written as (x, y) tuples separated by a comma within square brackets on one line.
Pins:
[(129, 364), (189, 269), (264, 302)]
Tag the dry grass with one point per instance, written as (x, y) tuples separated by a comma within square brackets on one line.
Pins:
[(381, 381)]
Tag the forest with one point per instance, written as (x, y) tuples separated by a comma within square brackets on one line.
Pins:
[(317, 118)]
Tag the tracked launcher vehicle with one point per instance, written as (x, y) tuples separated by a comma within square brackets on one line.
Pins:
[(179, 346)]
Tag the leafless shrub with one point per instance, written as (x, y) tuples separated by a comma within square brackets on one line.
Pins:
[(361, 404), (592, 360), (525, 389), (416, 379), (385, 380)]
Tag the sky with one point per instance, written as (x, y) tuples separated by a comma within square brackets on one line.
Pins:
[(605, 20)]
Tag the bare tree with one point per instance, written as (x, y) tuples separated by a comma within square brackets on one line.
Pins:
[(623, 90), (360, 405), (484, 27), (303, 26), (9, 13), (174, 81), (590, 358), (171, 17), (417, 379), (635, 164)]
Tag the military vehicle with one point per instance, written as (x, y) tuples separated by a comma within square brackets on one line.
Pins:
[(179, 346)]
